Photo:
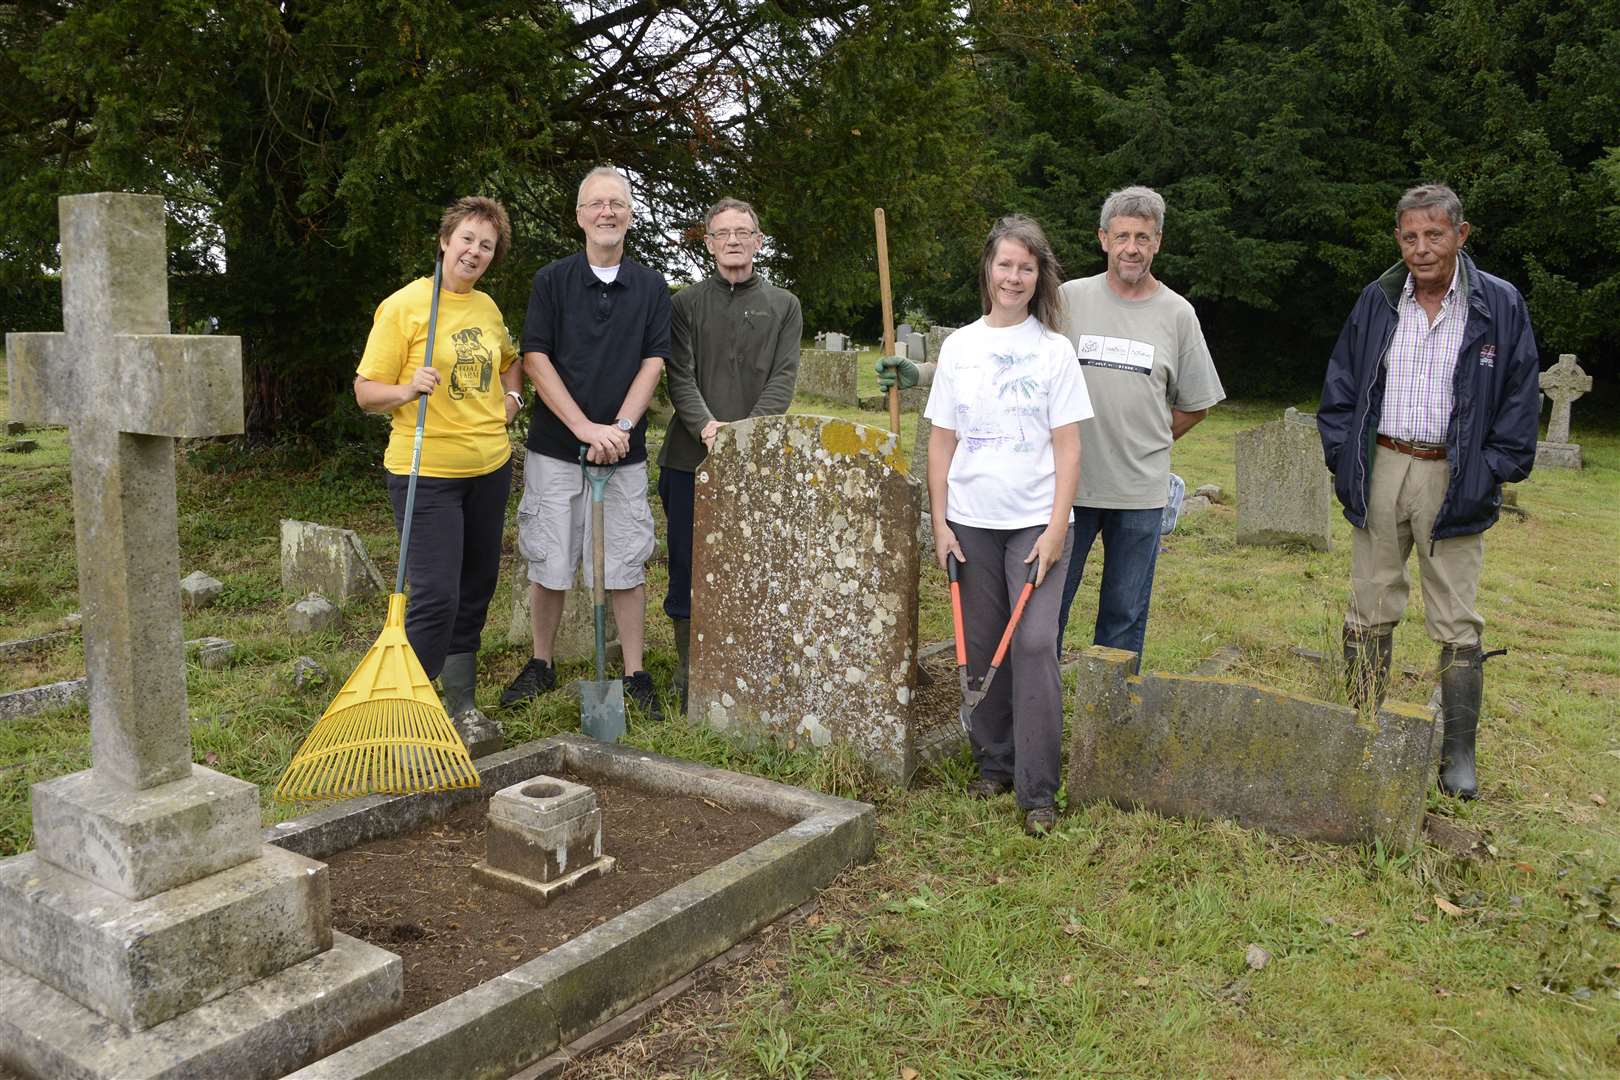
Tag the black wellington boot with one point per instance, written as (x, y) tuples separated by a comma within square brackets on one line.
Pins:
[(1462, 684), (683, 657), (1367, 657)]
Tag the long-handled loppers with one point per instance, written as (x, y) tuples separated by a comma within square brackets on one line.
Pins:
[(970, 696)]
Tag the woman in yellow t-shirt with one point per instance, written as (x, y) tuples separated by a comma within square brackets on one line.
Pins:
[(473, 391)]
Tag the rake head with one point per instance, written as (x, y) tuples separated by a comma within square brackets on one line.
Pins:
[(384, 733)]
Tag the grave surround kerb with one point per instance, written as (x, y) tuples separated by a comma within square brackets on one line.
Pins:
[(148, 893)]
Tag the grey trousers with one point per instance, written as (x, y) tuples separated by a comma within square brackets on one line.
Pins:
[(1017, 731)]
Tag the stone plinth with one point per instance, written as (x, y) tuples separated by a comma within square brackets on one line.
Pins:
[(142, 962), (326, 560), (138, 844), (828, 374), (804, 587), (1284, 492), (1551, 455), (1205, 747), (544, 836)]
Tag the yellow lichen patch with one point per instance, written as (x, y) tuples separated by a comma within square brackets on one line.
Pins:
[(844, 439)]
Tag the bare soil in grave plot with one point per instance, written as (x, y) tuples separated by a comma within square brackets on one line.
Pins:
[(416, 894)]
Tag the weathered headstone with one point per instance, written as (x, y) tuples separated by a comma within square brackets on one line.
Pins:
[(917, 347), (149, 894), (833, 342), (1562, 384), (1284, 492), (1212, 747), (829, 374), (576, 632), (326, 560), (919, 454), (198, 590), (902, 332), (935, 339), (804, 587)]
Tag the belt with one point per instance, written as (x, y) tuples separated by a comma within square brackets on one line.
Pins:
[(1421, 451)]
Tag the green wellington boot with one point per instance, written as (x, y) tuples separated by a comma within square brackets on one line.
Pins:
[(1462, 685), (1367, 657), (458, 685), (683, 656)]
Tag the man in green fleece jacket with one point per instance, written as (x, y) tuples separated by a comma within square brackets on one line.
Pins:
[(734, 354)]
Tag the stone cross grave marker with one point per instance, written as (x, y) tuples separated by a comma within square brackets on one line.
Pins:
[(126, 389), (1562, 384), (1284, 492), (150, 896), (804, 587)]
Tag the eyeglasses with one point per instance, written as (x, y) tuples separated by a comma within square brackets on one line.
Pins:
[(596, 206), (723, 235)]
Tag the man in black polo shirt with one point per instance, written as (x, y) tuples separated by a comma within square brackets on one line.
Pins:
[(594, 345)]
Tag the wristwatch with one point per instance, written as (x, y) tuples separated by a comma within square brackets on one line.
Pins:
[(623, 425)]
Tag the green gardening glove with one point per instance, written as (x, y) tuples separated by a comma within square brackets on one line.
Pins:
[(892, 369)]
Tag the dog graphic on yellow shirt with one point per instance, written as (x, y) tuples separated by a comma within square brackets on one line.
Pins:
[(474, 363)]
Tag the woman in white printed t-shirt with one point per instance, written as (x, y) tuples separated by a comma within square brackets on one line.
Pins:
[(1003, 463)]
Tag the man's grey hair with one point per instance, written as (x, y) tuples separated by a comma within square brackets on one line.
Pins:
[(728, 203), (1135, 201), (605, 170), (1431, 197)]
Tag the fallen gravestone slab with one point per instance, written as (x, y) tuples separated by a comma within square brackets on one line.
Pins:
[(804, 587), (1284, 492), (1203, 747), (212, 653), (330, 561), (37, 699)]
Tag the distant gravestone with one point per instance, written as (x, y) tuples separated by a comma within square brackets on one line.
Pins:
[(330, 561), (576, 633), (902, 332), (314, 614), (198, 590), (1213, 747), (935, 338), (917, 347), (1284, 492), (833, 341), (804, 587), (828, 374), (1562, 384), (149, 900)]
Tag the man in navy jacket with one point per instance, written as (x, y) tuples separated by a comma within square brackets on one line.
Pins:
[(1431, 403)]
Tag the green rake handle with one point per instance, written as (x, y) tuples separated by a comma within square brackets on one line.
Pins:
[(421, 422)]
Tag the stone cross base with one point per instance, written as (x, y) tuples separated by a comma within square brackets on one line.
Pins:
[(266, 1029), (1558, 455), (1204, 747)]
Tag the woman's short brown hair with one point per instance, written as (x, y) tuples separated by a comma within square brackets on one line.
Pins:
[(483, 208)]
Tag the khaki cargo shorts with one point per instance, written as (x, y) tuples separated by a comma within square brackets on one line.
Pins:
[(554, 524)]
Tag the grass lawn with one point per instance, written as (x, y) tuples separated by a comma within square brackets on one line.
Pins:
[(1115, 947)]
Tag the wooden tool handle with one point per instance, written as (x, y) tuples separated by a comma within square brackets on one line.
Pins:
[(888, 312)]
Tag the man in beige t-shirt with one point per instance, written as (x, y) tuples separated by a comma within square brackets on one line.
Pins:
[(1151, 379)]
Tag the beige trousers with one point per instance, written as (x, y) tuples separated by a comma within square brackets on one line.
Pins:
[(1402, 501)]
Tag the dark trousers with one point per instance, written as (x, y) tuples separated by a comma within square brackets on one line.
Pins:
[(1018, 728), (677, 490), (453, 561), (1131, 553)]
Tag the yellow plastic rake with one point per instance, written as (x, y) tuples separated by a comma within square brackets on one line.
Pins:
[(386, 732)]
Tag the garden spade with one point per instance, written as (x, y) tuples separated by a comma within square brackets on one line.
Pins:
[(601, 703), (970, 696)]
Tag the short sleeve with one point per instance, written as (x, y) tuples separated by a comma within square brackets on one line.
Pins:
[(941, 407), (1197, 385), (387, 346), (1068, 401), (540, 320), (655, 338)]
